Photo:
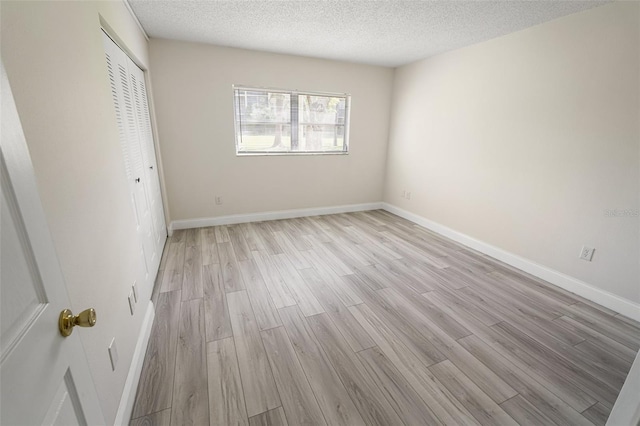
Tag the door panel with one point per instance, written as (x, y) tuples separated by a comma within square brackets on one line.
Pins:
[(36, 360), (124, 95), (22, 294), (136, 139)]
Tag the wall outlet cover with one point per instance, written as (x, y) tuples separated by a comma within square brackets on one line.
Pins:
[(586, 253)]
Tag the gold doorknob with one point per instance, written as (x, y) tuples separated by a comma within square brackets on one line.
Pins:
[(86, 318)]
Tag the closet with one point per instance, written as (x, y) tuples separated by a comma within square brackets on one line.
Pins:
[(129, 93)]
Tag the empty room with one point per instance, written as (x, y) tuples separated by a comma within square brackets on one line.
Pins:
[(332, 212)]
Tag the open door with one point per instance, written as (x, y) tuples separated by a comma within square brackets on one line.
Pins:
[(44, 377)]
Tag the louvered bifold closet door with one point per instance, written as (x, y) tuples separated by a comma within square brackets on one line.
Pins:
[(152, 181), (124, 93)]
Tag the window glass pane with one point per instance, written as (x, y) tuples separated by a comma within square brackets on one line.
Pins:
[(265, 137), (321, 109), (321, 121), (264, 120), (321, 137), (281, 121)]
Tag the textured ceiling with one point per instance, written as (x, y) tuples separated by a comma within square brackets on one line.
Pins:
[(388, 33)]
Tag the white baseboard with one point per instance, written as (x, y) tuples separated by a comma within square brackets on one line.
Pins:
[(609, 300), (262, 216), (123, 416)]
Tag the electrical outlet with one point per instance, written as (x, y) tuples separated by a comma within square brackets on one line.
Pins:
[(218, 200), (404, 194), (408, 195), (134, 288), (113, 354), (132, 302), (586, 253)]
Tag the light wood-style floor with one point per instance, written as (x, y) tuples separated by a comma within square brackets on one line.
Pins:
[(366, 318)]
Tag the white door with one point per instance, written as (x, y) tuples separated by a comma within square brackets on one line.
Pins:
[(134, 124), (123, 95), (152, 181), (44, 377)]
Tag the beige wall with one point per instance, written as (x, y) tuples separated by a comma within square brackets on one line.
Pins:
[(194, 106), (55, 61), (523, 141)]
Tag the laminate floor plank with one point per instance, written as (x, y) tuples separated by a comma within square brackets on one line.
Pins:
[(351, 330), (190, 404), (178, 236), (334, 262), (192, 277), (602, 364), (192, 237), (368, 318), (444, 321), (409, 251), (209, 246), (251, 236), (484, 377), (299, 404), (597, 414), (555, 364), (280, 293), (216, 310), (160, 418), (295, 235), (614, 347), (317, 230), (547, 332), (368, 398), (572, 395), (226, 398), (483, 408), (526, 386), (620, 331), (620, 317), (402, 397), (230, 270), (332, 397), (173, 271), (408, 238), (304, 297), (265, 235), (373, 246), (524, 279), (525, 413), (257, 379), (155, 386), (446, 407), (346, 295), (298, 260), (275, 417), (263, 307), (405, 331), (523, 296), (459, 301), (222, 234), (239, 244), (402, 278)]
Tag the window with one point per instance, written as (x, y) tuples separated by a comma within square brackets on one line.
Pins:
[(273, 121)]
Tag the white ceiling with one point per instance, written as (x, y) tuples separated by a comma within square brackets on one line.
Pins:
[(388, 33)]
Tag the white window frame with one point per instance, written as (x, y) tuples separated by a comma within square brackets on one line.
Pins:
[(294, 121)]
